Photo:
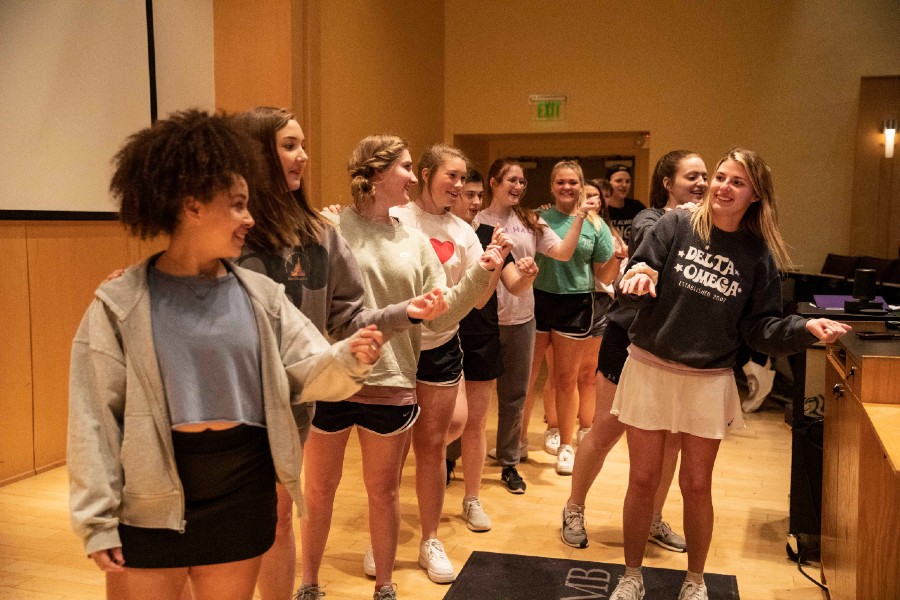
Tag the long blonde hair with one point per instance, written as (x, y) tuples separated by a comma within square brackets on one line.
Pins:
[(761, 218), (592, 216)]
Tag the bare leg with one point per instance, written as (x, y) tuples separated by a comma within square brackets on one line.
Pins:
[(430, 444), (460, 413), (565, 377), (381, 458), (541, 343), (474, 446), (225, 581), (645, 451), (276, 572), (549, 392), (165, 584), (596, 445), (586, 388), (322, 467), (695, 479), (670, 462)]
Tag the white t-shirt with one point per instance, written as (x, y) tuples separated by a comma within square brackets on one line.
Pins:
[(457, 248), (512, 309)]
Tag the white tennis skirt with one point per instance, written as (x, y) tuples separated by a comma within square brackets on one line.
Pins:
[(656, 394)]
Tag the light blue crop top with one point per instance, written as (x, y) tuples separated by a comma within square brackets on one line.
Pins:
[(207, 345)]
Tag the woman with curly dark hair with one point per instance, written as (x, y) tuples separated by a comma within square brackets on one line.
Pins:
[(180, 410)]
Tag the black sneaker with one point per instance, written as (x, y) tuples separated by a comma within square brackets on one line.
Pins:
[(513, 481), (451, 467)]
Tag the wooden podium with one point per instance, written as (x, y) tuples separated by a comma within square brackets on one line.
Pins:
[(861, 470)]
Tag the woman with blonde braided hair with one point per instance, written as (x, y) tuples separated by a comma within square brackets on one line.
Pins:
[(397, 262)]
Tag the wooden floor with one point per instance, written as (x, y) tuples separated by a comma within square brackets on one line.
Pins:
[(40, 558)]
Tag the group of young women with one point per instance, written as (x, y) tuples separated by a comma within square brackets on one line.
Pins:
[(194, 378)]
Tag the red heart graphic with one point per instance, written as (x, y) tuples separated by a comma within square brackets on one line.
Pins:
[(444, 250)]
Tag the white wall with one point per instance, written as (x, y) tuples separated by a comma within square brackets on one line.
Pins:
[(74, 83)]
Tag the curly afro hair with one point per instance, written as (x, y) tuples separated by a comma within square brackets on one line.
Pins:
[(190, 154)]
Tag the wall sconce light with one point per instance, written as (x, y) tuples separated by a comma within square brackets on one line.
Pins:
[(890, 132)]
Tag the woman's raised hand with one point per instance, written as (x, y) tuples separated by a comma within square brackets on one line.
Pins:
[(527, 267), (427, 306)]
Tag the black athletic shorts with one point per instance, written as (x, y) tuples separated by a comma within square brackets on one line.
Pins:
[(442, 365), (383, 419), (602, 302), (613, 352), (570, 315), (482, 359)]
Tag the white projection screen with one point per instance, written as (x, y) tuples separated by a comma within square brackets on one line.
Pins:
[(74, 83)]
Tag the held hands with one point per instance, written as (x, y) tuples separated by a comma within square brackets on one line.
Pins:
[(335, 208), (109, 560), (491, 259), (500, 240), (827, 330), (365, 345), (427, 306), (527, 267), (639, 285)]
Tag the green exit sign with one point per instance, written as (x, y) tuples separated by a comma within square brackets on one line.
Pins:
[(547, 108)]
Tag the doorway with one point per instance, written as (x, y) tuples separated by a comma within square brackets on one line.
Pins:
[(538, 152)]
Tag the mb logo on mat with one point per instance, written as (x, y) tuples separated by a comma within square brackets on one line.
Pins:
[(592, 583)]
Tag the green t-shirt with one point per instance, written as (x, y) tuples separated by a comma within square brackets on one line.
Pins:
[(575, 276)]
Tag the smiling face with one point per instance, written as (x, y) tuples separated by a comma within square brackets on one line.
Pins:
[(731, 194), (566, 189), (289, 142), (468, 203), (509, 189), (225, 221), (393, 184), (689, 183), (621, 185), (445, 184)]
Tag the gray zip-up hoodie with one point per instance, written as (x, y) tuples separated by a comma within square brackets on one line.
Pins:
[(120, 456)]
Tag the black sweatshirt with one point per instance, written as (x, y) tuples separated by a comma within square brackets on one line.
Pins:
[(710, 296)]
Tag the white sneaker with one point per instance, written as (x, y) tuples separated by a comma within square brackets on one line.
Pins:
[(629, 588), (693, 591), (369, 561), (433, 559), (582, 432), (474, 516), (551, 441), (565, 460)]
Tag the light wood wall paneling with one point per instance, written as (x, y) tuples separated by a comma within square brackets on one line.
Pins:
[(253, 60), (16, 425), (66, 263)]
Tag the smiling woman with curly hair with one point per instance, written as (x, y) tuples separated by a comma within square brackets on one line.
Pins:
[(180, 409)]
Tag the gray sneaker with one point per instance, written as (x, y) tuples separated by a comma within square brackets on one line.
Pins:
[(662, 535), (629, 588), (387, 592), (573, 532), (475, 517), (309, 592)]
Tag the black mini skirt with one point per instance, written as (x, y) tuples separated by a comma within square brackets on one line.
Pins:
[(230, 515)]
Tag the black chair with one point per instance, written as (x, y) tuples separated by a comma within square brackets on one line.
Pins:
[(840, 265), (883, 267)]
